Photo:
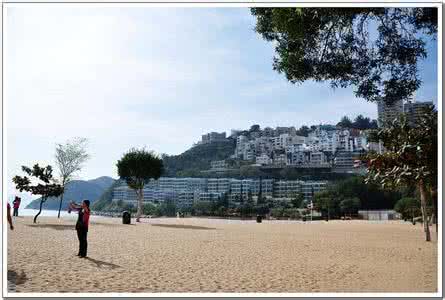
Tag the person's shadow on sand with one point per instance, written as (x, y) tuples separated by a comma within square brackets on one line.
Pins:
[(16, 278), (53, 226), (68, 226), (100, 263)]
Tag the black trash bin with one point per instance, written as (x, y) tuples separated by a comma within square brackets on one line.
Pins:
[(126, 217), (304, 218), (259, 219)]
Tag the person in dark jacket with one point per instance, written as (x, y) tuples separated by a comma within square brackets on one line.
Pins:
[(16, 205), (82, 225)]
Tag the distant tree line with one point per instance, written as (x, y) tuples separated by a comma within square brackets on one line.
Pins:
[(360, 122), (346, 197)]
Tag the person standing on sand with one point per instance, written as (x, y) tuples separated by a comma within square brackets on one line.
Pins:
[(82, 225), (8, 212), (16, 205)]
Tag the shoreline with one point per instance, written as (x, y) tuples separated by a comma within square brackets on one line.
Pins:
[(144, 219), (248, 220)]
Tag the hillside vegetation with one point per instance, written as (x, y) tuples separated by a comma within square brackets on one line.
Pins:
[(197, 159), (104, 202)]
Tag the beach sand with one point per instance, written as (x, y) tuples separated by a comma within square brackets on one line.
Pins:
[(211, 255)]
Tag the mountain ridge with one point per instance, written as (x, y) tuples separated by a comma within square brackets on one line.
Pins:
[(77, 190)]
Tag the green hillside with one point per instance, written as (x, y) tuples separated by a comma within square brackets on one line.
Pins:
[(197, 159), (104, 202)]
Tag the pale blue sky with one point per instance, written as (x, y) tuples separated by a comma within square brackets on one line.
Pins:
[(154, 77)]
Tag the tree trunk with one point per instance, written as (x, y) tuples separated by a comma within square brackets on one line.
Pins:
[(60, 205), (435, 207), (426, 226), (40, 210), (139, 211)]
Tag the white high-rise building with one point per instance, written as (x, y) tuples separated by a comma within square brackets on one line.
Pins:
[(387, 113), (414, 110)]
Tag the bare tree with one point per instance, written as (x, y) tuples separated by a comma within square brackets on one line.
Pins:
[(70, 158)]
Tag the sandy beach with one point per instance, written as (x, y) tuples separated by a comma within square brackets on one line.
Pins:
[(205, 255)]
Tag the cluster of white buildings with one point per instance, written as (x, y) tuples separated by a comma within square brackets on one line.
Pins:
[(325, 146), (185, 191), (283, 147)]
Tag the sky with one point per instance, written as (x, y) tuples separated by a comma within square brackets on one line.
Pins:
[(150, 77)]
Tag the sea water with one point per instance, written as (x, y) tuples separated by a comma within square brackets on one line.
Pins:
[(46, 213)]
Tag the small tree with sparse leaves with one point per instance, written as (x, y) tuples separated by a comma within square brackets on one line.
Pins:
[(411, 158), (46, 186), (70, 158)]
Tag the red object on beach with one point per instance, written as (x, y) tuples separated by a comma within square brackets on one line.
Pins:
[(86, 218), (16, 202)]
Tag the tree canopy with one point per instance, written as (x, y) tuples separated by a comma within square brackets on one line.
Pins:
[(408, 207), (44, 184), (350, 205), (376, 50), (297, 200), (358, 195), (138, 167), (303, 131), (360, 122), (345, 122), (411, 152)]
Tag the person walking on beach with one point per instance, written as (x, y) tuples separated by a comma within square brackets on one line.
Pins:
[(82, 225), (16, 205), (8, 212)]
